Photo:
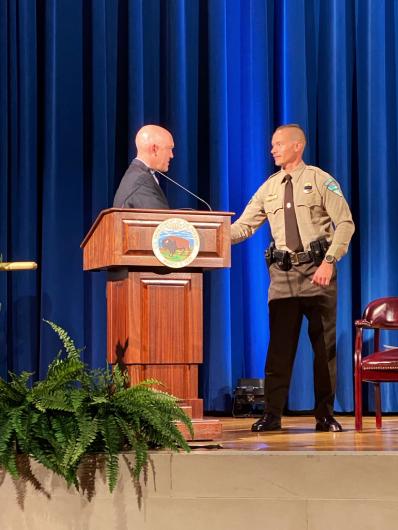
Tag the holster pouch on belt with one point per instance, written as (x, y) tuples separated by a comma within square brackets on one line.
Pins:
[(269, 254), (282, 259), (318, 250)]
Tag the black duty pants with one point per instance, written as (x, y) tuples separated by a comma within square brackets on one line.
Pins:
[(285, 318)]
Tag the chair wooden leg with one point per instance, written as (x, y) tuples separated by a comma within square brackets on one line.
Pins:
[(377, 405), (358, 400)]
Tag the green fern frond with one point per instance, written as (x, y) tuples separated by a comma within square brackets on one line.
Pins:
[(148, 383), (9, 394), (112, 470), (79, 445), (119, 378), (88, 431), (67, 342), (9, 463), (20, 382), (76, 398), (7, 431), (64, 431), (55, 362), (53, 400), (112, 440), (97, 381), (23, 421), (67, 372), (71, 454), (110, 433), (129, 433), (45, 457), (16, 417), (99, 400), (141, 457)]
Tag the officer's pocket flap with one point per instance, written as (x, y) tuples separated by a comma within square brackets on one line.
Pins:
[(309, 200), (273, 206)]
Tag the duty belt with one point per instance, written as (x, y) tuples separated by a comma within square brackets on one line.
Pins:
[(296, 258)]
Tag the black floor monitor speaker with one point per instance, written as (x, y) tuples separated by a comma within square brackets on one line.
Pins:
[(248, 399)]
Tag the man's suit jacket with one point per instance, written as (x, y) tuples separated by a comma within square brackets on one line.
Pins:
[(138, 189)]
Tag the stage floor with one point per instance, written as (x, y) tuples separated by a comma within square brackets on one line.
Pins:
[(298, 434)]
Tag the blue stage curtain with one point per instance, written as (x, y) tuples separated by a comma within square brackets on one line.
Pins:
[(77, 79)]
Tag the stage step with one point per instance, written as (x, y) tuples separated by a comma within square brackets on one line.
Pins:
[(204, 429), (187, 409)]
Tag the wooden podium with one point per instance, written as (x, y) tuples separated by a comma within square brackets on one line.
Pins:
[(155, 313)]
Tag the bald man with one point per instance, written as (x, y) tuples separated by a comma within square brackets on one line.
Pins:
[(139, 187), (311, 225)]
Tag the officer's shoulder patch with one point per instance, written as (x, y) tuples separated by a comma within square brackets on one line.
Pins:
[(332, 185)]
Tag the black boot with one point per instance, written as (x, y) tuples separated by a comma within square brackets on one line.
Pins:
[(268, 422)]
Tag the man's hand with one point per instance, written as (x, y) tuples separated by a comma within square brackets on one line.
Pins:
[(323, 274)]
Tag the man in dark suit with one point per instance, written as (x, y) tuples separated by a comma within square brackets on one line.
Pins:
[(139, 187)]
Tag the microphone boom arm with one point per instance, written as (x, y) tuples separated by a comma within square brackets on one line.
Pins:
[(185, 189)]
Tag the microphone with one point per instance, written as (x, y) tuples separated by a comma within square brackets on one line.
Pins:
[(185, 189)]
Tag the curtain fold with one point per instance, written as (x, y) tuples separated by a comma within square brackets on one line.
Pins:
[(376, 60), (77, 80)]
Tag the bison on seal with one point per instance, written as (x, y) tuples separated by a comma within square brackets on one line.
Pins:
[(175, 244)]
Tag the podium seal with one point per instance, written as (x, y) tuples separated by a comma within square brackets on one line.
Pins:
[(175, 243)]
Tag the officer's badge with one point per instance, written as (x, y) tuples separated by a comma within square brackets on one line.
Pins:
[(307, 187), (271, 197), (333, 186)]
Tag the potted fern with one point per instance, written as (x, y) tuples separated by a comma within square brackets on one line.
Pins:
[(75, 412)]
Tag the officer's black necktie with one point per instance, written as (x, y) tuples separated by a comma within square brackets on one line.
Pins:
[(293, 239)]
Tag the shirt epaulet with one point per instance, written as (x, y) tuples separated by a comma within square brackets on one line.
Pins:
[(273, 175), (313, 168), (319, 177)]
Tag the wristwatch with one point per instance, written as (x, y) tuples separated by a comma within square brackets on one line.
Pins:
[(330, 259)]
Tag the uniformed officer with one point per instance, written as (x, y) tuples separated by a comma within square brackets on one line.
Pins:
[(311, 225)]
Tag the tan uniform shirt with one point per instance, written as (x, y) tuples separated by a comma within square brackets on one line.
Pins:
[(321, 210)]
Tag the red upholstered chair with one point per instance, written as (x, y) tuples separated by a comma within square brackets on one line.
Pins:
[(381, 365)]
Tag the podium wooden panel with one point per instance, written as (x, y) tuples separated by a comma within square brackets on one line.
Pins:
[(155, 313)]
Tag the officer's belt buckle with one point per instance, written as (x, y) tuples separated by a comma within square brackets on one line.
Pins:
[(294, 259)]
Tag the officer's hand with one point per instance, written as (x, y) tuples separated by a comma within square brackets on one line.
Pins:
[(323, 274)]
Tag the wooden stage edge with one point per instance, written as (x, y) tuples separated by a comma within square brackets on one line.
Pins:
[(298, 434), (296, 479)]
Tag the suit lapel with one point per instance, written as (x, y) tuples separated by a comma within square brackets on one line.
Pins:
[(156, 187)]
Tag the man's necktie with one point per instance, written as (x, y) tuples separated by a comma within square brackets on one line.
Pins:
[(293, 239), (154, 176)]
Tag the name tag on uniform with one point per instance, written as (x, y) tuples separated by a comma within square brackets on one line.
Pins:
[(271, 197), (307, 187)]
